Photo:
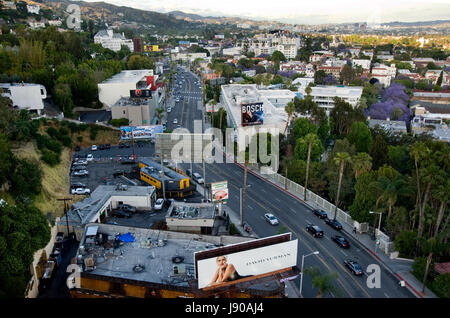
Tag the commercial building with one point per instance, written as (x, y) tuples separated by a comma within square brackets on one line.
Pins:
[(138, 111), (101, 202), (199, 218), (25, 95), (120, 85), (123, 262), (113, 41), (324, 95)]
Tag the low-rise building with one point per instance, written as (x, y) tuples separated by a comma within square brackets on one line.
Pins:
[(200, 218), (384, 73), (365, 64), (324, 95), (113, 41), (393, 126), (25, 95), (333, 70), (33, 8)]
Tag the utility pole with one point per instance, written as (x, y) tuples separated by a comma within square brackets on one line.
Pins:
[(162, 179), (66, 213)]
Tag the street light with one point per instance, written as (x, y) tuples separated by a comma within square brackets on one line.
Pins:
[(379, 223), (301, 273)]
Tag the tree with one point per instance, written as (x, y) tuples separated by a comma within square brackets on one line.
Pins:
[(303, 148), (302, 127), (340, 159), (344, 116), (290, 109), (348, 74), (6, 159), (319, 77), (159, 113), (278, 56), (310, 139), (140, 62), (388, 190), (360, 136), (362, 163), (378, 152), (323, 282)]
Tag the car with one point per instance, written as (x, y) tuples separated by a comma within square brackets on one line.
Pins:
[(121, 145), (320, 213), (77, 185), (126, 208), (354, 267), (271, 218), (334, 224), (121, 213), (94, 147), (175, 121), (314, 230), (197, 178), (164, 128), (81, 173), (78, 168), (178, 126), (82, 191), (127, 145), (341, 241), (80, 162), (89, 157), (107, 146), (101, 147), (188, 172), (169, 109), (77, 148), (159, 204)]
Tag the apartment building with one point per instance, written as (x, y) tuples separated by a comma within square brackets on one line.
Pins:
[(365, 64), (113, 41), (25, 95), (323, 95), (384, 73), (333, 70)]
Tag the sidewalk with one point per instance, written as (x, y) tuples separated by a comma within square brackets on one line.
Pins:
[(399, 268)]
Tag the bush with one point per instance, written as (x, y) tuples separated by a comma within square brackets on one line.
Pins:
[(80, 138), (418, 269), (119, 122), (52, 132), (441, 286), (66, 141), (63, 131), (405, 243), (50, 158), (233, 229)]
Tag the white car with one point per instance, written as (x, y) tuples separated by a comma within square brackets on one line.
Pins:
[(94, 147), (89, 157), (271, 218), (197, 178), (175, 121), (81, 191), (159, 204), (81, 173), (169, 109), (80, 162)]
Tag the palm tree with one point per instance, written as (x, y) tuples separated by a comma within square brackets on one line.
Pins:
[(388, 190), (310, 139), (340, 159), (362, 162), (323, 282), (159, 114), (290, 109)]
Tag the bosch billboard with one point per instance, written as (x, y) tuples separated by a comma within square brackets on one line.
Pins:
[(252, 114)]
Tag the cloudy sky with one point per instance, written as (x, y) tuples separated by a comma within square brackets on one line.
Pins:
[(303, 11)]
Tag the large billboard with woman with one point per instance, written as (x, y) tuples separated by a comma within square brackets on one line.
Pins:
[(229, 268)]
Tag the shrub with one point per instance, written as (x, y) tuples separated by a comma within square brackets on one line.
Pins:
[(66, 141), (63, 131), (50, 158), (52, 132), (405, 243), (441, 286), (233, 229), (79, 138), (119, 122), (418, 269)]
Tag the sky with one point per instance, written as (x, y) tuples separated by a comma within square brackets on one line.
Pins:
[(301, 11)]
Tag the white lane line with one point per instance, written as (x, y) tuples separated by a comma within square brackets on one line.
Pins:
[(387, 296), (327, 237), (293, 211), (250, 207), (344, 253)]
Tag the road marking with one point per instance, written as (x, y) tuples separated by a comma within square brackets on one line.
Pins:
[(344, 253), (293, 211), (387, 296)]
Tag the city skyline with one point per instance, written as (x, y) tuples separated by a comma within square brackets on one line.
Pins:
[(302, 12)]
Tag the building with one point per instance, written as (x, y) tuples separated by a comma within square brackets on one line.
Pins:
[(138, 111), (113, 41), (433, 75), (231, 51), (120, 85), (324, 95), (137, 45), (384, 73), (278, 97), (439, 97), (33, 8), (101, 202), (126, 262), (188, 56), (36, 24), (365, 64), (393, 126), (333, 70), (199, 218), (435, 126), (25, 96)]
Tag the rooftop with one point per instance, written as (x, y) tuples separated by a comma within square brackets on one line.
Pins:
[(329, 90), (393, 125), (184, 210), (128, 101), (129, 76)]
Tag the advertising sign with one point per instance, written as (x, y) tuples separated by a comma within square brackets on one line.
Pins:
[(140, 93), (139, 132), (252, 114), (219, 192), (227, 269)]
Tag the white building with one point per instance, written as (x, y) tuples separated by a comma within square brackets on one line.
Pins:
[(278, 97), (189, 56), (384, 73), (33, 8), (232, 51), (113, 41), (323, 95), (302, 83), (365, 64), (118, 86), (25, 96)]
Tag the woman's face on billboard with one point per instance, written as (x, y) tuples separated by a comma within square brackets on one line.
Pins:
[(221, 262)]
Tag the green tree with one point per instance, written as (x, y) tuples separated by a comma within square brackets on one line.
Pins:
[(378, 152), (290, 109), (360, 136), (340, 159), (309, 145), (348, 74), (278, 56), (344, 116), (319, 77), (302, 127), (324, 282), (362, 163), (388, 190)]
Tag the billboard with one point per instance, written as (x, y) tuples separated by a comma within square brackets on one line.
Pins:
[(219, 192), (223, 269), (140, 93), (252, 114), (139, 132), (151, 48)]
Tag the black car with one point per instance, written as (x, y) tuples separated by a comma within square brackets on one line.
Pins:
[(127, 208), (101, 147), (107, 146), (314, 230), (127, 144), (320, 213), (77, 185), (341, 241), (334, 224), (354, 267), (121, 214)]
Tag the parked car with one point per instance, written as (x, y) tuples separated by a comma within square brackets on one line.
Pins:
[(82, 191), (159, 204), (271, 218), (334, 224), (81, 173), (101, 147), (94, 147), (107, 146), (178, 126), (169, 109), (77, 148), (341, 241), (127, 208), (77, 185), (197, 178), (354, 267), (80, 162), (78, 168), (320, 213), (121, 145), (188, 172), (127, 144), (121, 214), (314, 230), (89, 157)]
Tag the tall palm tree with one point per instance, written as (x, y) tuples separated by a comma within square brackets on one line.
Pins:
[(290, 109), (362, 162), (159, 113), (322, 281), (310, 139), (340, 159), (388, 190)]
